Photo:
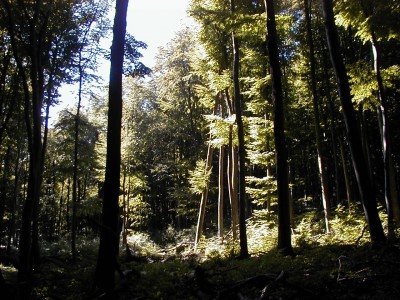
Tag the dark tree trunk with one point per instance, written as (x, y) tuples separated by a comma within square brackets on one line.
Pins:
[(241, 147), (33, 99), (284, 231), (367, 193), (75, 198), (318, 135), (109, 239)]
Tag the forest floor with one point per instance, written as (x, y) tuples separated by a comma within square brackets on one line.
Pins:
[(322, 272)]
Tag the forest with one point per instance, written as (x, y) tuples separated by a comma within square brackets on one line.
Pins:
[(258, 159)]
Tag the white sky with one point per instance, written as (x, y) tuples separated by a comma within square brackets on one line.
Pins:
[(154, 22)]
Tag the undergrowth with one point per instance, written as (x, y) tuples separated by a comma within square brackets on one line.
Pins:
[(338, 265)]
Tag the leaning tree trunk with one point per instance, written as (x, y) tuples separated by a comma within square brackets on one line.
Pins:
[(284, 231), (109, 239), (367, 193), (391, 195)]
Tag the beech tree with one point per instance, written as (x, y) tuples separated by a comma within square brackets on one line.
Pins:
[(284, 231), (109, 239), (46, 29), (316, 103), (365, 186)]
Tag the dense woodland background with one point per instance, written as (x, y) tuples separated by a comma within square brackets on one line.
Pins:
[(249, 134)]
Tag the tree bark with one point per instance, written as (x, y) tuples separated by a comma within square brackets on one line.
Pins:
[(315, 98), (204, 198), (109, 239), (391, 194), (221, 192), (241, 147), (284, 231), (367, 193), (232, 184)]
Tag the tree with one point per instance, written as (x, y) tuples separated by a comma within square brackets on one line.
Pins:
[(316, 100), (88, 51), (284, 231), (367, 193), (241, 147), (109, 239), (32, 29), (374, 23)]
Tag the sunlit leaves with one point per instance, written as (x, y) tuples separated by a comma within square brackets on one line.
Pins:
[(363, 85), (221, 129), (367, 16), (199, 177), (261, 190)]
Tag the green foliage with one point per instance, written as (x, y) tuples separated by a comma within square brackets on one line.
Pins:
[(139, 212), (261, 190), (221, 129), (390, 75), (367, 16), (363, 85), (199, 177)]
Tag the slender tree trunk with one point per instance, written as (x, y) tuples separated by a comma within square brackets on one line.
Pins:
[(11, 231), (221, 192), (391, 194), (284, 231), (232, 167), (124, 209), (346, 175), (109, 239), (315, 97), (241, 147), (204, 197), (232, 184), (75, 199), (61, 203), (3, 190), (67, 206), (367, 194), (365, 143)]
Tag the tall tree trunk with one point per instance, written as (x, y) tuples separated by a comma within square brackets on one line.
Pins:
[(124, 209), (232, 184), (367, 194), (33, 99), (315, 97), (3, 189), (11, 231), (365, 143), (332, 129), (109, 239), (60, 210), (241, 147), (221, 192), (75, 199), (204, 197), (284, 231), (391, 194), (346, 175)]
